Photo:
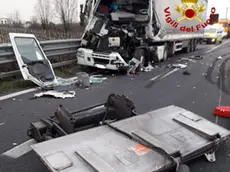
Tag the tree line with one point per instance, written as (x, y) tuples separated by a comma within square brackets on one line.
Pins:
[(65, 12)]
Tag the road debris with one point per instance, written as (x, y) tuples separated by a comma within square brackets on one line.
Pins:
[(116, 113), (67, 81), (56, 94), (96, 80), (223, 111), (187, 59), (196, 57), (15, 144), (83, 79), (34, 64), (2, 124), (180, 66), (219, 58), (186, 73), (149, 68), (134, 66)]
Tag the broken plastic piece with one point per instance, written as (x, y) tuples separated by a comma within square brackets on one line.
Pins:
[(56, 94), (181, 66), (83, 79), (219, 58), (96, 80), (148, 68), (186, 73), (67, 81), (223, 111), (211, 157)]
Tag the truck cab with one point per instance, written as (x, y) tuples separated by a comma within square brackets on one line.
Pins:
[(128, 34), (117, 32)]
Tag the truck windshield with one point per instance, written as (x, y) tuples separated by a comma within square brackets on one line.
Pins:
[(29, 49)]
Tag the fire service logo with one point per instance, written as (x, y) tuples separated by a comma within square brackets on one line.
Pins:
[(189, 10)]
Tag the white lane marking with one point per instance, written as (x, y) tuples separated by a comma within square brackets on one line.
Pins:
[(218, 46), (20, 150), (164, 76), (9, 96), (156, 77), (2, 124), (170, 73)]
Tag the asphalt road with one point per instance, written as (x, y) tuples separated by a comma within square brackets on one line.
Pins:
[(206, 87)]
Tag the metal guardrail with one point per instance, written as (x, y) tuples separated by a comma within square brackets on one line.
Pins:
[(51, 48)]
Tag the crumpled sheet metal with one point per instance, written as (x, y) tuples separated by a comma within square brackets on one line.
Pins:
[(56, 94), (179, 66), (67, 81)]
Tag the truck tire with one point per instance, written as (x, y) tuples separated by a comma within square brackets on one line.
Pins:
[(165, 54), (195, 44), (171, 49), (192, 46), (188, 48)]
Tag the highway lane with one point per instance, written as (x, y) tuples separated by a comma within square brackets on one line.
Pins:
[(198, 92)]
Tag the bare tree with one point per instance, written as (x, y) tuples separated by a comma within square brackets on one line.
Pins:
[(67, 12), (43, 9), (34, 20), (15, 17)]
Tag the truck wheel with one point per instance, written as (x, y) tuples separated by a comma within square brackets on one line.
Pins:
[(188, 48), (195, 44), (171, 49), (165, 54), (192, 46)]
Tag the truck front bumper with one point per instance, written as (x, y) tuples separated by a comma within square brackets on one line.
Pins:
[(209, 39), (101, 60)]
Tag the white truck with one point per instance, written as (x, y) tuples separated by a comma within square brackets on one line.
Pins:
[(121, 31)]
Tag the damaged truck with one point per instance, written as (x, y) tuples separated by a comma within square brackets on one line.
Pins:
[(122, 33)]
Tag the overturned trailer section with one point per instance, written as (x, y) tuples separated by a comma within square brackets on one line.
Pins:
[(112, 137)]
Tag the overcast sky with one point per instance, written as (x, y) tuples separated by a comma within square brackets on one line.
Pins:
[(26, 7)]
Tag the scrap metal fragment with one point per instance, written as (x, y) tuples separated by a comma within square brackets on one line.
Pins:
[(56, 94)]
